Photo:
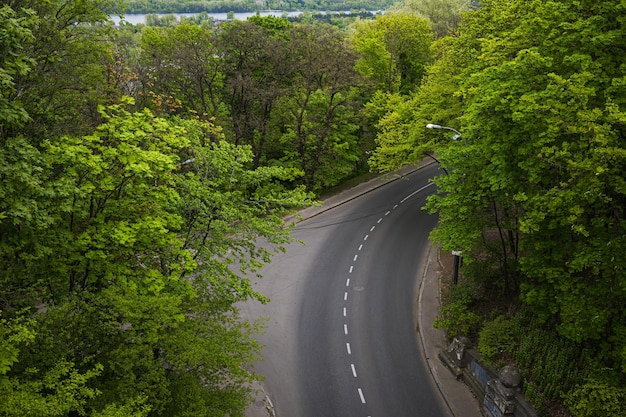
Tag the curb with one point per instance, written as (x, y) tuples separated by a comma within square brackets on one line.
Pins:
[(456, 396)]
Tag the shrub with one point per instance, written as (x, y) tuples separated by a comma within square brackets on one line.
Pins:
[(456, 317), (497, 337), (551, 365), (596, 399)]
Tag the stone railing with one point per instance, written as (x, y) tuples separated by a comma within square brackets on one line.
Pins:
[(500, 392)]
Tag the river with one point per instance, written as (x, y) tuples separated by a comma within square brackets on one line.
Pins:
[(141, 18)]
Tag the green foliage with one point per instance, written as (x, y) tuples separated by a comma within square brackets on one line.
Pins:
[(540, 172), (394, 50), (401, 136), (14, 63), (54, 392), (537, 183), (180, 70), (127, 253), (444, 15), (457, 318), (67, 55), (196, 6), (595, 399), (551, 365), (496, 338)]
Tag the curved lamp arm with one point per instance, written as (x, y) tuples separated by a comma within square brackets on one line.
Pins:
[(433, 126)]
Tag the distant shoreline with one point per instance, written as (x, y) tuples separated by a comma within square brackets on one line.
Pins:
[(140, 18)]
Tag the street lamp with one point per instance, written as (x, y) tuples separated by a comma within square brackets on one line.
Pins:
[(455, 253), (455, 137)]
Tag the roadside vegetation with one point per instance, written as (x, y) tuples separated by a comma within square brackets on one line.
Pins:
[(139, 164)]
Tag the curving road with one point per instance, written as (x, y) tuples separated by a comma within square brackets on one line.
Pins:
[(341, 339)]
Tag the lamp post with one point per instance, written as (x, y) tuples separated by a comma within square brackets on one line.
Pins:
[(455, 253), (455, 137)]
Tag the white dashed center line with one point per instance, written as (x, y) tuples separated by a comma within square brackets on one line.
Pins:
[(351, 270), (361, 395)]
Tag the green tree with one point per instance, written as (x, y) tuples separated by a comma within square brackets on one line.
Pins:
[(67, 55), (394, 50), (543, 116), (444, 15), (257, 71), (319, 112), (535, 191), (124, 263), (13, 63), (180, 64), (400, 121)]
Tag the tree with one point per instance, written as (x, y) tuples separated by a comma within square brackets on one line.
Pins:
[(68, 56), (543, 115), (13, 63), (549, 113), (394, 50), (535, 192), (181, 67), (319, 113), (444, 15), (256, 65), (124, 265), (400, 121)]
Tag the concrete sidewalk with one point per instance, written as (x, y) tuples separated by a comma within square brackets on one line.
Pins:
[(459, 398)]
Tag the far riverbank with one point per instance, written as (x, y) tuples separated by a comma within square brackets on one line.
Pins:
[(135, 19)]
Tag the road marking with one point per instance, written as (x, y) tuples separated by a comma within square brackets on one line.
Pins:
[(345, 311), (416, 191), (372, 229), (345, 296), (366, 236), (351, 268), (387, 214), (360, 246), (355, 256), (348, 348), (353, 369), (345, 328), (379, 220), (348, 282), (361, 395), (395, 207)]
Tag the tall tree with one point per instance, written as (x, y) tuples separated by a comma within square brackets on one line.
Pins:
[(544, 118), (14, 63), (69, 54), (180, 65), (319, 113), (394, 50), (444, 15), (125, 269), (257, 70)]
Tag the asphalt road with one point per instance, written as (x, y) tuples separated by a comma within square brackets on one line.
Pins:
[(340, 338)]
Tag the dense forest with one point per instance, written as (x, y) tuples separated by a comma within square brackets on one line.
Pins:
[(140, 164)]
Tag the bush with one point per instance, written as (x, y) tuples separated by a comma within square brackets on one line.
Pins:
[(497, 337), (596, 399), (551, 365), (456, 318)]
